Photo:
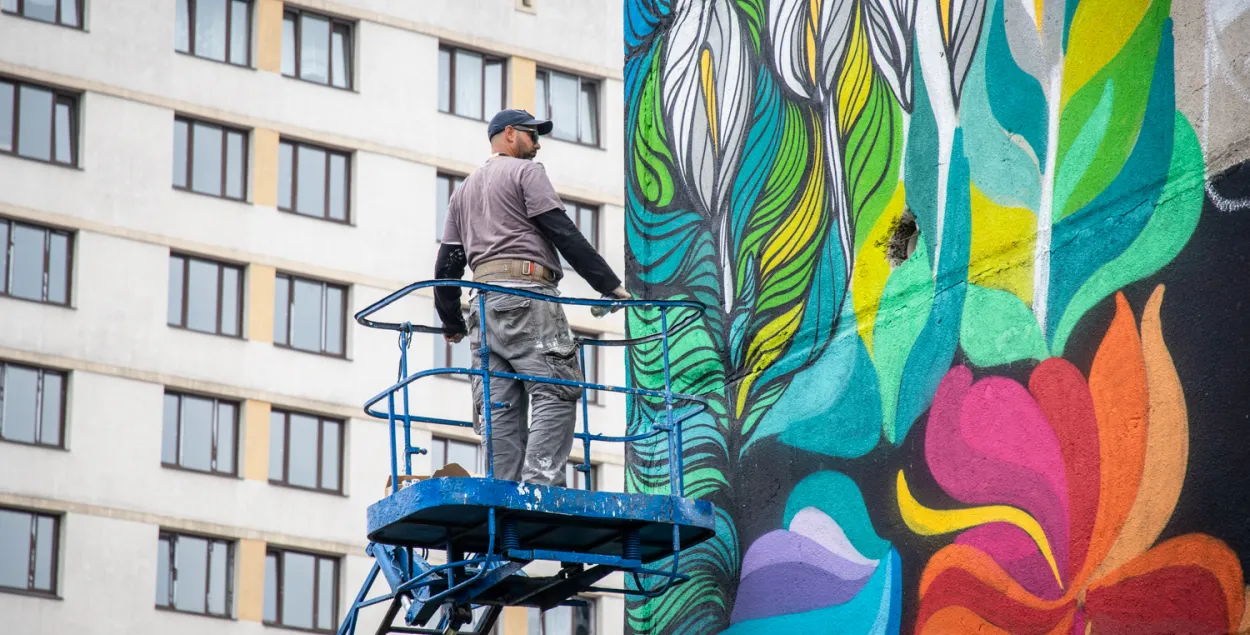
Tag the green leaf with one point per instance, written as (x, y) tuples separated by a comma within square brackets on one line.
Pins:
[(997, 328), (905, 306), (653, 161), (1081, 156)]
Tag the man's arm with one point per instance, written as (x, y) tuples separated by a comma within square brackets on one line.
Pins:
[(557, 227), (450, 266)]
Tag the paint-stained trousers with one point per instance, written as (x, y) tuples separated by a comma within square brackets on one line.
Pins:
[(528, 337)]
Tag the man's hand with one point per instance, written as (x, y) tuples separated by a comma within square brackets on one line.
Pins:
[(453, 339), (621, 294)]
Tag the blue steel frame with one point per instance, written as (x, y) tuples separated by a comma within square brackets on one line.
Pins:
[(495, 565)]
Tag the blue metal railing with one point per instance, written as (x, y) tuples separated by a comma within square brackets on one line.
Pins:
[(396, 414)]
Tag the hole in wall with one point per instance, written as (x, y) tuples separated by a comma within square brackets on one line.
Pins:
[(903, 238)]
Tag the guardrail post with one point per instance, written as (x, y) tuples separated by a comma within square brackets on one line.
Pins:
[(405, 338), (487, 399)]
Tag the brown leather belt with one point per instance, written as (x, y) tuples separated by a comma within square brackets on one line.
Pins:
[(513, 269)]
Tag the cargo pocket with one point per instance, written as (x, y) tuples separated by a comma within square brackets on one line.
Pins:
[(509, 319), (562, 360)]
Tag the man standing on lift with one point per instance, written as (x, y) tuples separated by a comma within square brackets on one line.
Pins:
[(507, 223)]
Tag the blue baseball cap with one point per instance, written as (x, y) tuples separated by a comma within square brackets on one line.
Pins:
[(516, 117)]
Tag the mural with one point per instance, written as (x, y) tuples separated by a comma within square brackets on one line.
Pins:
[(934, 239)]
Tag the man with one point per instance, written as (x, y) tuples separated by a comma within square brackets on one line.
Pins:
[(507, 223)]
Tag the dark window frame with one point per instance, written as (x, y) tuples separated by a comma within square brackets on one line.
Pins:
[(592, 370), (349, 49), (60, 96), (190, 123), (453, 181), (576, 217), (280, 586), (40, 398), (53, 566), (347, 180), (186, 283), (480, 452), (171, 537), (20, 12), (217, 401), (290, 279), (7, 255), (582, 81), (487, 58), (251, 9), (286, 450)]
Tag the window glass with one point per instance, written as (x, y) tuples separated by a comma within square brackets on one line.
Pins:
[(281, 310), (218, 580), (21, 387), (210, 29), (239, 32), (202, 294), (191, 581), (34, 135), (226, 420), (163, 572), (468, 97), (180, 153), (206, 159), (230, 291), (58, 268), (277, 441), (540, 96), (197, 434), (563, 95), (325, 593), (271, 587), (588, 122), (306, 316), (64, 132), (182, 28), (297, 590), (444, 81), (14, 549), (493, 88), (334, 320), (53, 389), (169, 430), (41, 10), (288, 44), (314, 39), (340, 60), (234, 165), (303, 451), (6, 116), (441, 196), (464, 453), (26, 256), (338, 187), (69, 12), (330, 455), (311, 181), (286, 160)]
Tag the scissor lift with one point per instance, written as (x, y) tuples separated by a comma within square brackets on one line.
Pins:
[(491, 529)]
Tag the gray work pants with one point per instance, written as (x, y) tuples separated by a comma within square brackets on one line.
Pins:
[(528, 337)]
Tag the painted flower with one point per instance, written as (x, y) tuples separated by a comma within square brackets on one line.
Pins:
[(1068, 484), (826, 572)]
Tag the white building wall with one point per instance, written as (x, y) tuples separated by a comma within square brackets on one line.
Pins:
[(107, 484)]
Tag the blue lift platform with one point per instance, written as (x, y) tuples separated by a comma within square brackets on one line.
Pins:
[(491, 529)]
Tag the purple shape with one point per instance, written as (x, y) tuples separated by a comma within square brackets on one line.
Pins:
[(791, 587), (1017, 554), (780, 547)]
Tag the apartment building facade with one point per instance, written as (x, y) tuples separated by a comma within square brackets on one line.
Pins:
[(195, 197)]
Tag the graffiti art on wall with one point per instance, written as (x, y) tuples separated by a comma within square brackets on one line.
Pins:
[(912, 223)]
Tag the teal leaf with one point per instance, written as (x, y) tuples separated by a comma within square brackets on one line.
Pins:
[(905, 306), (997, 328), (1017, 99)]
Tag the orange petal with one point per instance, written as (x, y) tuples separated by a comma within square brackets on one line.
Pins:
[(1167, 447), (1117, 381), (1245, 615), (1190, 550), (965, 577), (957, 619)]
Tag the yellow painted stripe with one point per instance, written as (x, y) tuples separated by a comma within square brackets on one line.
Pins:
[(934, 522), (709, 96)]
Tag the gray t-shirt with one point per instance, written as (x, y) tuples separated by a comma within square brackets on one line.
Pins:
[(491, 213)]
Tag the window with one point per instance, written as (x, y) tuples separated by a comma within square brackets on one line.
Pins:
[(310, 315), (205, 295), (470, 84), (37, 122), (564, 620), (571, 103), (210, 159), (590, 356), (34, 262), (63, 12), (586, 218), (215, 29), (28, 551), (317, 48), (32, 405), (194, 574), (577, 479), (313, 181), (301, 590), (465, 453), (305, 451), (200, 433), (447, 184)]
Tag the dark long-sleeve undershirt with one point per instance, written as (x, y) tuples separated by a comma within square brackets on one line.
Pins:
[(555, 226)]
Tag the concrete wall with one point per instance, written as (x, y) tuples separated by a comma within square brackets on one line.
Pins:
[(1023, 421), (107, 484)]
